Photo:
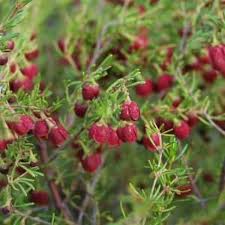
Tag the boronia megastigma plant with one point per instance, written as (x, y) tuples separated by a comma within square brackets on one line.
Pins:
[(112, 112)]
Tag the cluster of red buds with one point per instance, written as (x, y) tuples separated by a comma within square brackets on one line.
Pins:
[(163, 83), (40, 128), (104, 134), (22, 76), (210, 65)]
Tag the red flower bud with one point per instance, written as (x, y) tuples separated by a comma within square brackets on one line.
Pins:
[(99, 133), (208, 177), (15, 85), (92, 162), (164, 82), (40, 198), (80, 109), (23, 126), (165, 124), (30, 71), (58, 135), (26, 85), (184, 190), (13, 67), (182, 131), (41, 129), (113, 139), (192, 120), (210, 76), (62, 45), (153, 1), (176, 102), (3, 59), (130, 111), (3, 145), (152, 143), (144, 90), (140, 42), (128, 133), (3, 184), (204, 59), (90, 92), (32, 55), (10, 45), (217, 57), (141, 9)]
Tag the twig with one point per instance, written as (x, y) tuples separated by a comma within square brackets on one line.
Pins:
[(34, 219), (97, 51), (214, 124), (99, 41), (184, 39), (53, 187), (90, 192), (195, 188)]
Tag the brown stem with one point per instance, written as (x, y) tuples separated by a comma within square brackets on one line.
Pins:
[(195, 188), (90, 192), (208, 117), (53, 187)]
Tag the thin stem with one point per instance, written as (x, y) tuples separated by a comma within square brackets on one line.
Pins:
[(90, 192), (34, 219), (195, 188), (53, 187), (214, 124)]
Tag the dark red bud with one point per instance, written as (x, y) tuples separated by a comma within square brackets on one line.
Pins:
[(192, 120), (3, 59), (41, 129), (40, 198), (217, 57), (4, 145), (152, 143), (13, 67), (30, 71), (3, 184), (23, 126), (62, 45), (113, 139), (92, 162), (32, 55), (58, 135), (90, 92), (140, 42), (164, 82), (184, 190), (128, 133), (144, 90), (80, 109), (210, 76), (99, 133), (130, 111), (11, 45), (182, 131)]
